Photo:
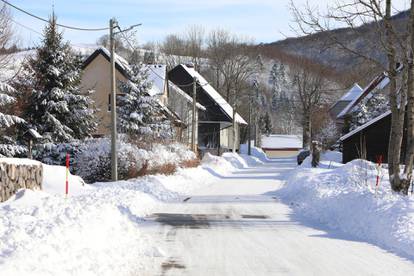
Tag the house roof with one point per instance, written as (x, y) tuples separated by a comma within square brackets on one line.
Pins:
[(364, 126), (280, 141), (352, 94), (214, 95), (184, 95), (379, 82)]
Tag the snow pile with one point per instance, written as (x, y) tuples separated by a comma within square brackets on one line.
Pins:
[(235, 160), (93, 234), (54, 181), (329, 159), (345, 198), (217, 164), (255, 152)]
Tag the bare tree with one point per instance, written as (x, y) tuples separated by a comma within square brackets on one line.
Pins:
[(194, 44), (173, 50), (310, 83), (6, 34), (216, 41)]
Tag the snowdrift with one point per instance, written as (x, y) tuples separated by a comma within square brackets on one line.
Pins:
[(96, 230), (346, 198)]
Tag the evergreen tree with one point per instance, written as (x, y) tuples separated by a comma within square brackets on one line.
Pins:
[(139, 114), (266, 124), (278, 82), (8, 146), (372, 106), (52, 79)]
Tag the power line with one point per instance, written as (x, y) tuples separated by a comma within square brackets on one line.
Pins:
[(47, 21), (26, 27)]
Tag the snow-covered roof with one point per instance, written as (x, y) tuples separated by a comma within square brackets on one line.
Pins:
[(280, 141), (364, 126), (157, 76), (179, 91), (352, 94), (123, 63), (378, 82), (225, 106)]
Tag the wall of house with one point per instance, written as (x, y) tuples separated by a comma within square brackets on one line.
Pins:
[(96, 76), (280, 153), (226, 137), (374, 138)]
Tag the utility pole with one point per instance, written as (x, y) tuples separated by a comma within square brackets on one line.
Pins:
[(114, 155), (234, 121), (249, 146), (194, 118)]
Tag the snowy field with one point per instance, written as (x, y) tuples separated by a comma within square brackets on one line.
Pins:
[(254, 211)]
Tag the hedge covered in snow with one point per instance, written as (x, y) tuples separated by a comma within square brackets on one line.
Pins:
[(91, 159)]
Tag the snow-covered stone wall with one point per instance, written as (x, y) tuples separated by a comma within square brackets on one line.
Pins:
[(18, 174)]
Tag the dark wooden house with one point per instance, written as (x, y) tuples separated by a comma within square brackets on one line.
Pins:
[(370, 140), (215, 128)]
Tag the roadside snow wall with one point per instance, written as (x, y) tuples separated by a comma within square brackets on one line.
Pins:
[(18, 174)]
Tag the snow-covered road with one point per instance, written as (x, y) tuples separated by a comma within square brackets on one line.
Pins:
[(237, 226)]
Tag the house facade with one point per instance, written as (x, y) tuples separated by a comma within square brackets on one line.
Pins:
[(215, 124), (97, 74), (279, 145), (370, 141)]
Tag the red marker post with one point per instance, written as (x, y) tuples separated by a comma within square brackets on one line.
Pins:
[(379, 163), (67, 174)]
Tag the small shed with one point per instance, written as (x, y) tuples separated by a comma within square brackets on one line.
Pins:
[(279, 145)]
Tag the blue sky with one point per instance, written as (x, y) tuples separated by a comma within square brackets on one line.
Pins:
[(263, 20)]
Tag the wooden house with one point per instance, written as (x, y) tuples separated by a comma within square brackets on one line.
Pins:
[(96, 76), (370, 140), (215, 128)]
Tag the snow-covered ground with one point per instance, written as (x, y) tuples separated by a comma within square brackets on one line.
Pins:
[(346, 197), (93, 231), (227, 217)]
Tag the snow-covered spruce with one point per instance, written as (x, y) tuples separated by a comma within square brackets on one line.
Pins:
[(139, 114), (371, 107), (56, 106), (8, 146)]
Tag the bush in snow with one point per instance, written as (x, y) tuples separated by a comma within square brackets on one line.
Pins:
[(54, 103), (8, 146)]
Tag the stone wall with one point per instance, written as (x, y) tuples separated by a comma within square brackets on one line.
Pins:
[(15, 176)]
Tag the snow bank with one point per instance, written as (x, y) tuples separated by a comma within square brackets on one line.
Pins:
[(329, 159), (345, 198), (54, 181), (255, 152), (97, 229)]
